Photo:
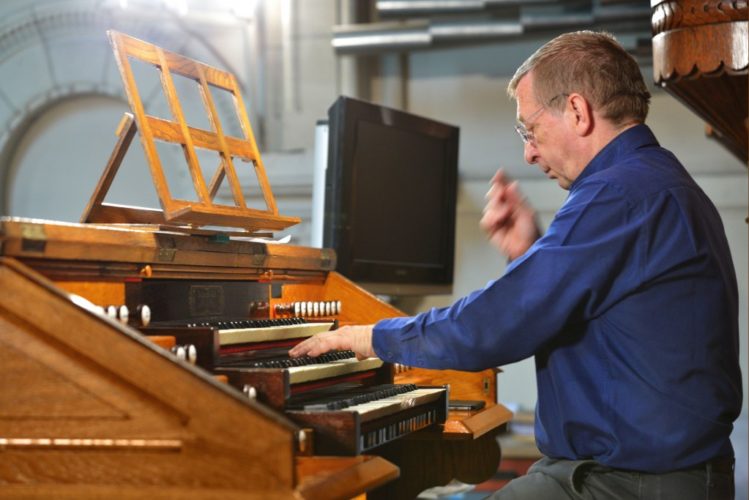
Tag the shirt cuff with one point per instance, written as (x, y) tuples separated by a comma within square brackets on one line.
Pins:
[(388, 337)]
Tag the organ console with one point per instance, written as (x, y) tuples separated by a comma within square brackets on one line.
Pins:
[(149, 357)]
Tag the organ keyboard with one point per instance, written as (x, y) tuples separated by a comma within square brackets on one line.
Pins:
[(253, 355), (236, 333), (356, 420)]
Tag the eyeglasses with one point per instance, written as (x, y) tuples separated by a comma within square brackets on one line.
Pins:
[(522, 128)]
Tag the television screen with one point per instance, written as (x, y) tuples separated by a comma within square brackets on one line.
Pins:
[(390, 195)]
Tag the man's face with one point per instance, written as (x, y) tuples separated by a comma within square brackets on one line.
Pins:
[(546, 136)]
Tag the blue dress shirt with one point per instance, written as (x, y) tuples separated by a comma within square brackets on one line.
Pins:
[(629, 305)]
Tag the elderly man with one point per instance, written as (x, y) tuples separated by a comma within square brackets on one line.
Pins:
[(628, 302)]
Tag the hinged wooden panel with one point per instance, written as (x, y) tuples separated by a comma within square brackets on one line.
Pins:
[(88, 400), (204, 212)]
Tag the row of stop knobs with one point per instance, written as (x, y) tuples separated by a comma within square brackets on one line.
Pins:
[(142, 317), (309, 308), (121, 313)]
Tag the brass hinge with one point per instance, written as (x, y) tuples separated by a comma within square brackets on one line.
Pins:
[(33, 238), (167, 254)]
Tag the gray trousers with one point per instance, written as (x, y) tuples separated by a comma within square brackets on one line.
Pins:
[(551, 479)]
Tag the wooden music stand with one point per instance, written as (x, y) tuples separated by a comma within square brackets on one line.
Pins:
[(175, 211)]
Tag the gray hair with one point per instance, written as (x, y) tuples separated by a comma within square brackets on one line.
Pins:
[(592, 64)]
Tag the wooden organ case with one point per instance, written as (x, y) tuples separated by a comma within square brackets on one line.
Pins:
[(144, 355), (701, 57)]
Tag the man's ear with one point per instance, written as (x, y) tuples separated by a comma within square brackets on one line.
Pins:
[(580, 114)]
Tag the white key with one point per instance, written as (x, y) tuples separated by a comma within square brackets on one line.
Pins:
[(387, 406), (307, 373), (280, 332)]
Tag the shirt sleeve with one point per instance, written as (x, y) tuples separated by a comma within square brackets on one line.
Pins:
[(569, 275)]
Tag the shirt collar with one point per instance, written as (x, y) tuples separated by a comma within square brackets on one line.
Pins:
[(631, 139)]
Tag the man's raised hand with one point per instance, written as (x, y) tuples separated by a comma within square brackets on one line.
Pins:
[(508, 220)]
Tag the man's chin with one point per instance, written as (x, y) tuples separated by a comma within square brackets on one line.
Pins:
[(563, 183)]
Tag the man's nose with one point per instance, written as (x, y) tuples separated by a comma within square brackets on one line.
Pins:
[(530, 153)]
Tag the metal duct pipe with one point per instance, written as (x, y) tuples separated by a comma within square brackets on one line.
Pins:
[(402, 8), (474, 30), (555, 22), (621, 13), (377, 37), (405, 36)]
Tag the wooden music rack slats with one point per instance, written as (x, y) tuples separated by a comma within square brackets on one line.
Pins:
[(185, 137), (178, 211), (168, 131), (227, 166)]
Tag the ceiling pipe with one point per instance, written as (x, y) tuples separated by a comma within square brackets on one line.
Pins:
[(402, 8), (424, 33)]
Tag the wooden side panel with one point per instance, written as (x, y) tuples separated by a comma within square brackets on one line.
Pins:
[(358, 306), (88, 401), (80, 252), (101, 293), (324, 478), (463, 385)]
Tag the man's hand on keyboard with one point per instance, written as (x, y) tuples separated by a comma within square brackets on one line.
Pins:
[(348, 338)]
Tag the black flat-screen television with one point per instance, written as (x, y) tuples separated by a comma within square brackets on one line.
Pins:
[(390, 198)]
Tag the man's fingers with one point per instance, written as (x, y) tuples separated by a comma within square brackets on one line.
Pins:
[(308, 347), (347, 338), (300, 349), (512, 194), (320, 344), (500, 177), (499, 210)]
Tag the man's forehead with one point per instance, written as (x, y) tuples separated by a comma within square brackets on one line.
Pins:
[(524, 97), (525, 86), (524, 106)]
